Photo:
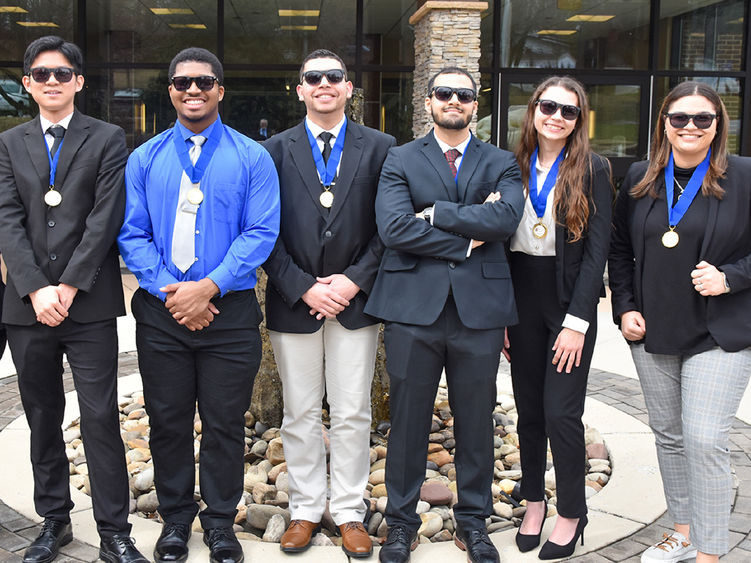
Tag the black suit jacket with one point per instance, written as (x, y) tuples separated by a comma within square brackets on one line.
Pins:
[(73, 243), (579, 265), (314, 241), (726, 245), (422, 264)]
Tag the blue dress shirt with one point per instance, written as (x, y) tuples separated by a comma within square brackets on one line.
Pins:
[(237, 222)]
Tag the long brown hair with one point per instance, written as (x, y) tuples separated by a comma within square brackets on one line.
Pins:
[(661, 147), (571, 203)]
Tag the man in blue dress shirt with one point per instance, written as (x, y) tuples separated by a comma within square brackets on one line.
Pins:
[(202, 213)]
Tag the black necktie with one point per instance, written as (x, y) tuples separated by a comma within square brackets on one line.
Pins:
[(58, 132), (326, 137)]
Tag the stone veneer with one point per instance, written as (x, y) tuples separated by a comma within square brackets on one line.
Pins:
[(446, 34)]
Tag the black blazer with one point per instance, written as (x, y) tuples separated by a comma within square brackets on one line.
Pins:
[(73, 243), (726, 245), (314, 241), (579, 265), (422, 264)]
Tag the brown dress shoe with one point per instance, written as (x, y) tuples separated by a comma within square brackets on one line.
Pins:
[(298, 535), (355, 540)]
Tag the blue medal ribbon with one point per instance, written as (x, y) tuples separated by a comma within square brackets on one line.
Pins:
[(53, 161), (195, 171), (677, 211), (327, 171), (540, 200)]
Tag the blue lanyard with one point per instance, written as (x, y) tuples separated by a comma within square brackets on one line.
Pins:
[(195, 171), (540, 200), (677, 211), (53, 161), (327, 171)]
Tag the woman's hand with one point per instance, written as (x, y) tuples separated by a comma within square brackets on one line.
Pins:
[(506, 346), (708, 280), (568, 349), (633, 326)]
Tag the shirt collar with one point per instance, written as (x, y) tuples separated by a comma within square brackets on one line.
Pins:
[(461, 147), (317, 129), (46, 123), (186, 133)]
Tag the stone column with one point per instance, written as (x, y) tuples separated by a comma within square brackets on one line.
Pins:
[(447, 33)]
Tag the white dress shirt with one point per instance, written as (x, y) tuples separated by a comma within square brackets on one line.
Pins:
[(316, 130), (46, 124)]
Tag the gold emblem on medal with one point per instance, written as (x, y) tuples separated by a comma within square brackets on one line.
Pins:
[(326, 198), (539, 230), (670, 239), (53, 198)]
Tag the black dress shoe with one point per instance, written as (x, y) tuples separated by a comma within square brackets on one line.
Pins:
[(54, 534), (223, 545), (400, 543), (527, 542), (477, 544), (172, 545), (120, 548), (550, 550)]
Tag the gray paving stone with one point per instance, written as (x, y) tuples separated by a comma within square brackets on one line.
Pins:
[(79, 550), (740, 522), (737, 555), (745, 544), (18, 524), (11, 541), (9, 557), (7, 514), (622, 550), (590, 558)]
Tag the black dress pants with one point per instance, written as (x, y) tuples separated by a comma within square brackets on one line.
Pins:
[(549, 404), (415, 357), (215, 367), (91, 349)]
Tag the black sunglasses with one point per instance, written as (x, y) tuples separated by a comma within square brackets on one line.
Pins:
[(42, 73), (702, 120), (204, 83), (549, 107), (445, 93), (314, 77)]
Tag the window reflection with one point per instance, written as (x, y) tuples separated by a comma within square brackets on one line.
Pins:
[(388, 103), (31, 19), (387, 36), (484, 127)]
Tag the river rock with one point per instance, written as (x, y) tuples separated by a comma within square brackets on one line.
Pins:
[(275, 451), (435, 494), (431, 524), (258, 515), (274, 529)]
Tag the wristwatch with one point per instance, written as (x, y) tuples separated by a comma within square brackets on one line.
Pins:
[(427, 214), (725, 281)]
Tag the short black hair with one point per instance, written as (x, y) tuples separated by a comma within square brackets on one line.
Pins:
[(198, 55), (69, 50), (452, 70), (323, 54)]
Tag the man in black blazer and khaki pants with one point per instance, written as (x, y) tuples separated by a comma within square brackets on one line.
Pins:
[(320, 273), (64, 293), (445, 292)]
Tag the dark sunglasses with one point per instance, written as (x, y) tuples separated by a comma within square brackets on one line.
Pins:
[(42, 73), (204, 83), (549, 107), (445, 93), (702, 120), (314, 77)]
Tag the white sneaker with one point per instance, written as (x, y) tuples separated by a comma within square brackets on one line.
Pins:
[(672, 548)]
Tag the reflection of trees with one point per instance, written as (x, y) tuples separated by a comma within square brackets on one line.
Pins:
[(19, 106)]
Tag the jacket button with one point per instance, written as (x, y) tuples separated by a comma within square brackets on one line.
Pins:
[(53, 256), (452, 265), (327, 234), (50, 223)]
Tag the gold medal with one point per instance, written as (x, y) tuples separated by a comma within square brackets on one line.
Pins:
[(326, 198), (670, 238), (53, 198), (539, 230), (195, 195)]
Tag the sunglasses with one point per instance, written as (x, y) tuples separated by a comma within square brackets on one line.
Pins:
[(445, 93), (42, 74), (549, 107), (204, 83), (702, 120), (314, 77)]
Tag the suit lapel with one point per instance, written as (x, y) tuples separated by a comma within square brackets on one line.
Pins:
[(348, 166), (435, 156), (470, 160), (714, 208), (75, 135), (37, 147), (299, 148)]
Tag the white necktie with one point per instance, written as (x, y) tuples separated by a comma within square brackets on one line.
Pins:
[(184, 232)]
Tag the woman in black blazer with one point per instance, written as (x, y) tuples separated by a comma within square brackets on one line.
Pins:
[(557, 260), (680, 273)]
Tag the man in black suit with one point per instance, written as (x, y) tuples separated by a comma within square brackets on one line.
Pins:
[(446, 202), (61, 204), (320, 273)]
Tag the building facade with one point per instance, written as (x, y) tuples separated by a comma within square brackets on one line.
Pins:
[(628, 53)]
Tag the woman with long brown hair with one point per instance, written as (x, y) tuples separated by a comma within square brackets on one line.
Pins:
[(680, 275), (557, 258)]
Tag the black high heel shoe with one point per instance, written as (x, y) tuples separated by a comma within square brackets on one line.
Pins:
[(552, 550), (527, 542)]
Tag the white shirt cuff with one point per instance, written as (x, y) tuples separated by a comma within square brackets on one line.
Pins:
[(575, 323), (469, 250)]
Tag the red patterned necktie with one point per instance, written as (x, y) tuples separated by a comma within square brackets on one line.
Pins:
[(451, 156)]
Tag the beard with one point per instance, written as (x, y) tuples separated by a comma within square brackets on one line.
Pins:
[(451, 121)]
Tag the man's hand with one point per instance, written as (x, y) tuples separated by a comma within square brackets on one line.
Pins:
[(340, 283), (492, 197), (568, 349), (506, 346), (189, 302), (67, 293), (633, 326), (324, 301), (47, 305)]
